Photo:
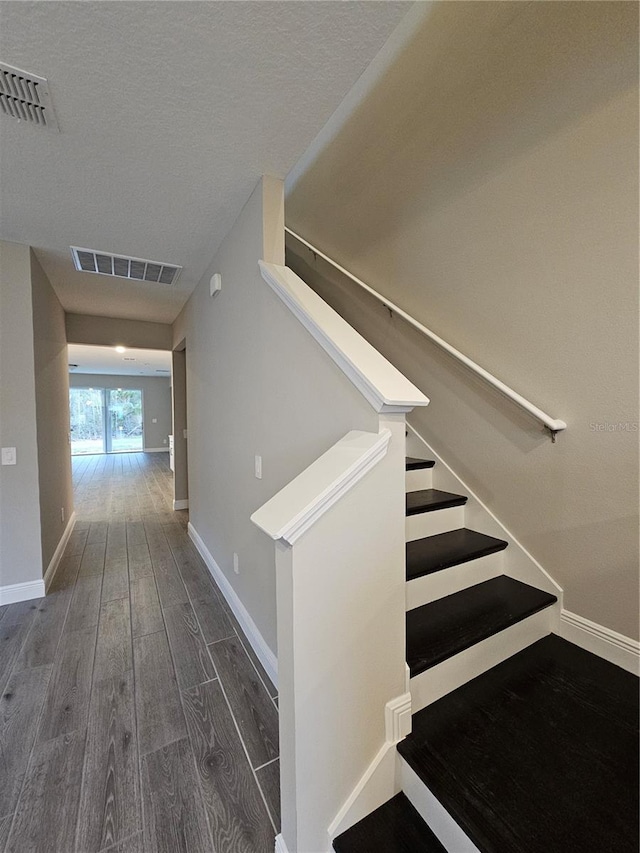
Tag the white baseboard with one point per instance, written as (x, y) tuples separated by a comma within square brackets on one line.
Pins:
[(13, 593), (57, 554), (183, 504), (601, 641), (450, 835), (267, 658), (155, 450), (281, 846)]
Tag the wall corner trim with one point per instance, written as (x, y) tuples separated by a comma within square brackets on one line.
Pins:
[(397, 718), (258, 643), (616, 648), (13, 593), (57, 554)]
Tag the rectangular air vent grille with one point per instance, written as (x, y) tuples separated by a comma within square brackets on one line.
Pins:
[(137, 269), (26, 97)]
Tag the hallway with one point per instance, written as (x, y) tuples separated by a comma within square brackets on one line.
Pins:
[(133, 715)]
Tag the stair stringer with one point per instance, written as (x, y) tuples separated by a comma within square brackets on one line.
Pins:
[(518, 562)]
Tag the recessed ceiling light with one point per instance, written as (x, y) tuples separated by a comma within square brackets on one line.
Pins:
[(121, 349)]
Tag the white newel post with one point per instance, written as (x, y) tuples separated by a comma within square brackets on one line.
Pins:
[(339, 532)]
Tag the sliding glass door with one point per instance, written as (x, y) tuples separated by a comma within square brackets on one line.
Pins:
[(105, 420)]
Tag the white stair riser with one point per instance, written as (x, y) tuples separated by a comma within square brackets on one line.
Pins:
[(439, 680), (450, 835), (434, 522), (454, 579), (420, 479)]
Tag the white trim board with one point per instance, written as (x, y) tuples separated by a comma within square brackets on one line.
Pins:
[(57, 554), (616, 648), (382, 384), (155, 450), (297, 506), (13, 593), (182, 504), (266, 657), (280, 845)]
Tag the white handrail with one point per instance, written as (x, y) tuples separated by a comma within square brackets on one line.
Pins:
[(552, 424)]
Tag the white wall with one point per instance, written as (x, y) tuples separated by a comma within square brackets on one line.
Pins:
[(156, 401), (20, 545), (489, 186), (256, 384)]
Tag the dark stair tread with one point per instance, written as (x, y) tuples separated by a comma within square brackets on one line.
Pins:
[(440, 629), (396, 827), (433, 553), (427, 500), (413, 463), (537, 755)]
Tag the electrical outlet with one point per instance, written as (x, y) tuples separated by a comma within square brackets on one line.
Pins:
[(154, 420), (236, 566), (8, 456), (259, 467), (164, 440), (62, 514)]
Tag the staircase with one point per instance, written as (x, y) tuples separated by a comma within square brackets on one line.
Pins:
[(507, 752)]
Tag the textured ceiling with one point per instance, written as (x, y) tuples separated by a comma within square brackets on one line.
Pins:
[(169, 112), (93, 359)]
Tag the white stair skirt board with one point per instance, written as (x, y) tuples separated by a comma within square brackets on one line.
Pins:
[(434, 522), (267, 658), (519, 563), (454, 579), (452, 673), (183, 504), (156, 450), (601, 641), (450, 835), (380, 781), (13, 593), (57, 554), (420, 479)]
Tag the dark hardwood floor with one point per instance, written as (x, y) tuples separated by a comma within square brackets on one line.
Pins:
[(134, 717)]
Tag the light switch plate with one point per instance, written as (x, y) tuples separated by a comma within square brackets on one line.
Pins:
[(8, 456)]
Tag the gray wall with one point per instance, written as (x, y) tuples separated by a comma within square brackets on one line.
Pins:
[(156, 401), (489, 186), (257, 383), (107, 331), (179, 404), (52, 411), (20, 546)]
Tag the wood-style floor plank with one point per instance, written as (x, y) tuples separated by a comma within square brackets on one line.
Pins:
[(84, 611), (20, 706), (39, 647), (134, 844), (160, 717), (269, 780), (5, 827), (252, 707), (146, 616), (190, 656), (67, 703), (113, 649), (93, 559), (237, 815), (110, 808), (175, 820), (14, 628), (139, 561), (45, 820), (213, 620), (66, 575)]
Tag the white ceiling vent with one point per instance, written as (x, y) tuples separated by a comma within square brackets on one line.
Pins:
[(26, 97), (138, 269)]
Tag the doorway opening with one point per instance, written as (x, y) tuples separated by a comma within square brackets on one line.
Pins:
[(106, 420)]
